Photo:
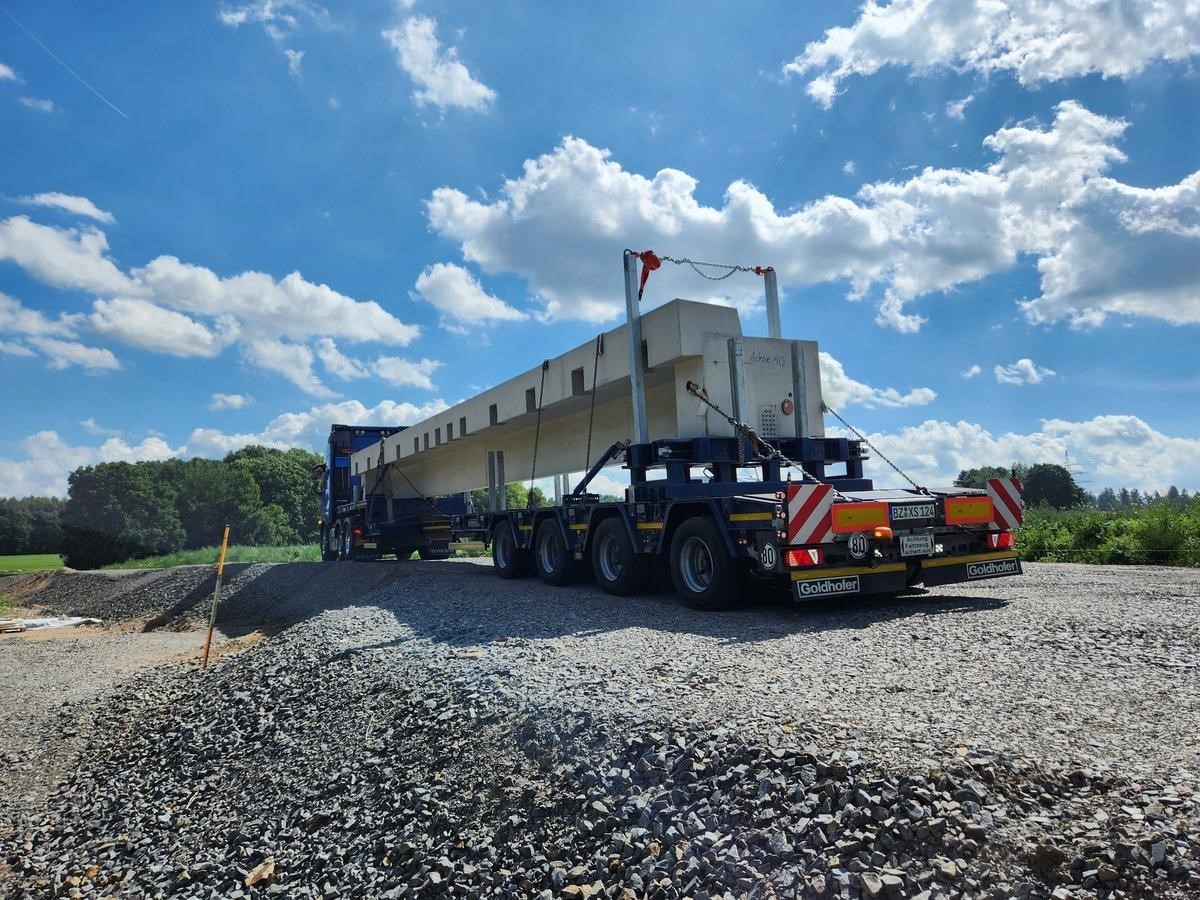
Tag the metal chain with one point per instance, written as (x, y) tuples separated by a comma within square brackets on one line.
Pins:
[(696, 264), (537, 434), (862, 437), (592, 412), (761, 447)]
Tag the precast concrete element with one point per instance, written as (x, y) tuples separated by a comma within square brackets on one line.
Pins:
[(771, 384)]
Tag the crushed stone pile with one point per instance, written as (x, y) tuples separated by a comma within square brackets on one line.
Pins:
[(305, 768)]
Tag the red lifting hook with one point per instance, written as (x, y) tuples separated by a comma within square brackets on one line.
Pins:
[(650, 262)]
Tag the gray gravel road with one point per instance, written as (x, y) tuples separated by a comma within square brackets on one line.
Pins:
[(429, 730), (1091, 665), (44, 676)]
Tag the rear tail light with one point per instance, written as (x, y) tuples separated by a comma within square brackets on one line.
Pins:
[(1000, 540), (802, 559), (358, 532)]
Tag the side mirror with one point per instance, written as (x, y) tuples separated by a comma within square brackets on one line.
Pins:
[(318, 479)]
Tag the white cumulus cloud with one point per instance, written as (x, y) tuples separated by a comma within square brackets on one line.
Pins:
[(838, 390), (7, 73), (406, 372), (140, 323), (461, 299), (971, 371), (1102, 247), (1023, 371), (80, 206), (62, 354), (49, 459), (39, 103), (222, 402), (169, 306), (1113, 450), (441, 79), (337, 363), (1035, 40), (293, 361)]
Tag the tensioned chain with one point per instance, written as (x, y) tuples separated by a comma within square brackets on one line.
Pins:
[(537, 434), (761, 447), (862, 437), (696, 264), (592, 411)]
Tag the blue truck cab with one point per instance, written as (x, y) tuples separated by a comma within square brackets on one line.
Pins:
[(360, 521)]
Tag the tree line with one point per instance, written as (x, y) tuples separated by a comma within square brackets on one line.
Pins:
[(118, 510), (1047, 484)]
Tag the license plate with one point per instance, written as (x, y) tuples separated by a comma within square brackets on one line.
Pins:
[(369, 546), (916, 545), (908, 511)]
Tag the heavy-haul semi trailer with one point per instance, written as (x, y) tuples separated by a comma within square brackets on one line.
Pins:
[(741, 482)]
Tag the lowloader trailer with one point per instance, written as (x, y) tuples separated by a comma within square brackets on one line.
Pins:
[(746, 488)]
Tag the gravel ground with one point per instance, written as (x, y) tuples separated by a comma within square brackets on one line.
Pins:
[(427, 729), (45, 676)]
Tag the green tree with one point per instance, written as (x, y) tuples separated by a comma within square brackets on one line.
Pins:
[(977, 478), (117, 511), (211, 495), (283, 479), (16, 524), (1106, 500), (1052, 485)]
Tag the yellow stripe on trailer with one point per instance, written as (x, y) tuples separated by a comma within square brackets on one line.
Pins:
[(468, 545), (850, 517), (848, 570), (650, 526), (435, 527), (751, 517), (579, 528), (975, 557)]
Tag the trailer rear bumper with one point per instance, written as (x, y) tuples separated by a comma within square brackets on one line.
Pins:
[(973, 568), (891, 578)]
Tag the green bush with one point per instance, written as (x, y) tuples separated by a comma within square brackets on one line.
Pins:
[(1160, 534)]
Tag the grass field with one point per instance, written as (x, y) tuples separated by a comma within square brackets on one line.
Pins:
[(34, 562), (237, 554)]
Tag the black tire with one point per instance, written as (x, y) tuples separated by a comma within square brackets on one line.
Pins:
[(328, 544), (618, 568), (555, 562), (507, 556), (346, 545), (704, 573), (403, 553), (439, 552)]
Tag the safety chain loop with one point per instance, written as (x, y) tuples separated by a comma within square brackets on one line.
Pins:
[(862, 437), (697, 265)]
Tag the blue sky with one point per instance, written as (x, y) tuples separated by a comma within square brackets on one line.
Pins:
[(259, 217)]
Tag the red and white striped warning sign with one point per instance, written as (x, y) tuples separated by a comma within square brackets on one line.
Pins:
[(1007, 504), (810, 513)]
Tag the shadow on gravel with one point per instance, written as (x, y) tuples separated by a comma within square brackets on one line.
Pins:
[(460, 603), (465, 604)]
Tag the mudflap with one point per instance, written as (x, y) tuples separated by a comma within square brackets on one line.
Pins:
[(849, 582), (981, 566)]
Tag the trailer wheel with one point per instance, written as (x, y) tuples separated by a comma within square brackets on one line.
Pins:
[(328, 543), (403, 553), (435, 552), (346, 551), (702, 570), (619, 569), (555, 565), (507, 556)]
